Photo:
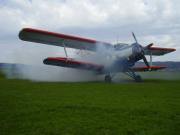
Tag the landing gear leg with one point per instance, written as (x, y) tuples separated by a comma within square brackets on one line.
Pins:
[(132, 74)]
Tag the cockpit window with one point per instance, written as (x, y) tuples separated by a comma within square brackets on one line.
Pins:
[(120, 46)]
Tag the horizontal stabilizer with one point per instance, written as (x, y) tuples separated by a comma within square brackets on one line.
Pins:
[(145, 68), (71, 63)]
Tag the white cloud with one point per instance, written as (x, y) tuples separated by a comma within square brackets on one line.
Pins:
[(154, 21)]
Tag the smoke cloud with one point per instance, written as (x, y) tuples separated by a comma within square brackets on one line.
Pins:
[(47, 73), (28, 64)]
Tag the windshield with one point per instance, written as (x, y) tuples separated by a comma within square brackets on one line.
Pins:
[(120, 46)]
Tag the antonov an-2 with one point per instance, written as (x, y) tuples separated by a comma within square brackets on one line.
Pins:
[(122, 56)]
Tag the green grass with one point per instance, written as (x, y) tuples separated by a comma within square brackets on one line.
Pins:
[(36, 108)]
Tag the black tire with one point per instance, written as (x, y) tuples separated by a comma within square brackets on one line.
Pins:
[(108, 79), (138, 78)]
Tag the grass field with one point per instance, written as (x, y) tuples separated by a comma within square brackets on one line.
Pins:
[(41, 108)]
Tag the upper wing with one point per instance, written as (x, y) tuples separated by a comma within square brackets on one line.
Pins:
[(158, 51), (57, 39), (71, 63), (145, 68)]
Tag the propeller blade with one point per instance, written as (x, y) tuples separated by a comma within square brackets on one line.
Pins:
[(134, 37), (145, 61)]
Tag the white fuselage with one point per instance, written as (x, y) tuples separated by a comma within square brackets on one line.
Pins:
[(122, 52)]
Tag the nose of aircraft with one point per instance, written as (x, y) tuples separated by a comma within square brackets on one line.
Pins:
[(137, 48)]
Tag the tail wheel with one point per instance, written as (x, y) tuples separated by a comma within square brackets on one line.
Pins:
[(108, 79)]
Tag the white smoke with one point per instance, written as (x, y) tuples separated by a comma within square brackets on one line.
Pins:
[(30, 63), (47, 73), (102, 56), (30, 58)]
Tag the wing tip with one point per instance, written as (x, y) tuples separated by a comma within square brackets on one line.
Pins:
[(21, 34)]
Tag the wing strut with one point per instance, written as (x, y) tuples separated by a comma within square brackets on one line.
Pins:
[(64, 45), (150, 58)]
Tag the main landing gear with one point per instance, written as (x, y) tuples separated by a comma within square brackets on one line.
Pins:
[(132, 74), (129, 72)]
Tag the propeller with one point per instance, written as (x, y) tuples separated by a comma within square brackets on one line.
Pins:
[(134, 37), (145, 61), (142, 51)]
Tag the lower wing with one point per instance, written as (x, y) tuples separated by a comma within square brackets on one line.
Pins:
[(145, 68), (71, 63)]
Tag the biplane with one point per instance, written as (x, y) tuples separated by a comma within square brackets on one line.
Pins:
[(121, 56)]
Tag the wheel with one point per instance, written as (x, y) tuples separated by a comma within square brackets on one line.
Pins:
[(138, 78), (108, 78)]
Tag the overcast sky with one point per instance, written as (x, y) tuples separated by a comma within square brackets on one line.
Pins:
[(153, 21)]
